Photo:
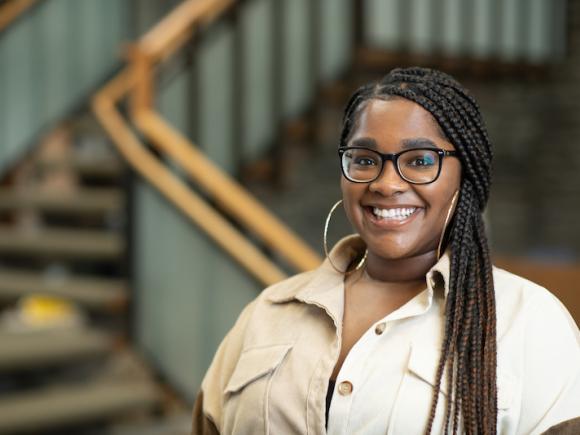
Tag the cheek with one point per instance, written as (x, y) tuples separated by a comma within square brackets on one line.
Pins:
[(350, 197), (441, 192), (439, 195), (453, 175)]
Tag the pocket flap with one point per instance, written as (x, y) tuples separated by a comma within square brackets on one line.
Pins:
[(424, 361), (255, 363)]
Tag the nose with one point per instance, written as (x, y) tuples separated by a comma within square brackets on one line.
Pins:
[(389, 181)]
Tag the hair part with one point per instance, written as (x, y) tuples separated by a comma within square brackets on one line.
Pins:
[(363, 105), (469, 351)]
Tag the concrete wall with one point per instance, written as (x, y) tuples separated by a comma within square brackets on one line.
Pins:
[(50, 61)]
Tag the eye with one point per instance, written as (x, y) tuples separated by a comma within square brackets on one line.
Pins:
[(424, 159), (361, 158), (364, 161)]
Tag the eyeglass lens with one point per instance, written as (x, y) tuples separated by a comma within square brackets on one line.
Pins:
[(418, 166)]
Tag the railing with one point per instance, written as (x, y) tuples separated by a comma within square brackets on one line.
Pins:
[(159, 46), (13, 9), (136, 81)]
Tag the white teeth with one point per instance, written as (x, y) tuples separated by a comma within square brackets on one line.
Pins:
[(394, 213)]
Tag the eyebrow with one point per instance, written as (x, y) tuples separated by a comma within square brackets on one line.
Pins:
[(419, 142), (364, 142)]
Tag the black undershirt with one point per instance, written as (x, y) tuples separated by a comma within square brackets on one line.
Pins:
[(329, 393)]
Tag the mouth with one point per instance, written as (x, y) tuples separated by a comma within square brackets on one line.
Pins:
[(391, 217)]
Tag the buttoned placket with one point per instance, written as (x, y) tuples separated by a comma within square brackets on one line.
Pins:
[(322, 293), (353, 369)]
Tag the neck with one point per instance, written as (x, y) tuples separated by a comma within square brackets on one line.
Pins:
[(410, 269)]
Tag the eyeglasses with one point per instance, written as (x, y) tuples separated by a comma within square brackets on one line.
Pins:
[(417, 165)]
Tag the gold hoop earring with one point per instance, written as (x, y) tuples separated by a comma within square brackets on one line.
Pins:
[(453, 200), (325, 244)]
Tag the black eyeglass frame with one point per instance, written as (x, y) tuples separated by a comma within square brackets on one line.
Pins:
[(394, 157)]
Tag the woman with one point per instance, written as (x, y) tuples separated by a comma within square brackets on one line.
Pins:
[(406, 328)]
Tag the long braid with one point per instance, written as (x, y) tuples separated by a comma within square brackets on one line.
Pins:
[(468, 353)]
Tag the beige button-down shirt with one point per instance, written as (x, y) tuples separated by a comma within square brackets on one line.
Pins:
[(270, 375)]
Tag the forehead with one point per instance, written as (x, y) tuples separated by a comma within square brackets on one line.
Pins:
[(390, 122)]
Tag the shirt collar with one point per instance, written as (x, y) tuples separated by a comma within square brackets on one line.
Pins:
[(325, 285), (438, 275)]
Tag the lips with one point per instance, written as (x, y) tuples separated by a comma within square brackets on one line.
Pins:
[(394, 213), (391, 217)]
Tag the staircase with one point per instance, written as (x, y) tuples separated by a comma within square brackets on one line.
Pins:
[(66, 365)]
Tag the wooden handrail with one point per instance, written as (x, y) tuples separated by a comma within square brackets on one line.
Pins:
[(158, 44), (176, 28), (145, 163), (137, 80), (142, 69), (12, 9), (227, 192)]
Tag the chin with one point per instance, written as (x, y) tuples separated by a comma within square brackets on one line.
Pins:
[(390, 250)]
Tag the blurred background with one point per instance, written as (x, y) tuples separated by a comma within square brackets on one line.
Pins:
[(163, 161)]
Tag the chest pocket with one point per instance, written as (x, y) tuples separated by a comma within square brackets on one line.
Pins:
[(414, 398), (246, 394)]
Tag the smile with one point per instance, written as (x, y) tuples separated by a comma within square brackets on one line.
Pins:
[(396, 214), (391, 218)]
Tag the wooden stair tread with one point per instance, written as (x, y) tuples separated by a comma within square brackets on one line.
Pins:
[(81, 201), (21, 350), (89, 291), (62, 243), (109, 168), (59, 406)]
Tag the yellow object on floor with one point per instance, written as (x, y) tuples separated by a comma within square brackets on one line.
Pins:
[(45, 309), (39, 312)]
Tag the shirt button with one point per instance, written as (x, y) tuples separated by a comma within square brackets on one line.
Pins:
[(380, 328), (345, 388)]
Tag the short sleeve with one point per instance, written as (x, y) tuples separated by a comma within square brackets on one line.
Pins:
[(551, 377)]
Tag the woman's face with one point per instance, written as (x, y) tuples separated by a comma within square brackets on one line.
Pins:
[(392, 126)]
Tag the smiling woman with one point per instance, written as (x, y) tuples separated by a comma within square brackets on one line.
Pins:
[(407, 327), (374, 198)]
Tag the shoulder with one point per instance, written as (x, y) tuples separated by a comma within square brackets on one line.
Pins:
[(288, 288), (539, 345), (260, 312), (255, 328), (511, 286), (282, 291), (521, 300), (534, 329), (260, 309)]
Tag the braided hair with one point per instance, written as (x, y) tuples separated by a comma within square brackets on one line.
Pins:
[(468, 352)]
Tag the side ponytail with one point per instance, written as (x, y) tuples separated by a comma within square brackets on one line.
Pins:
[(469, 351)]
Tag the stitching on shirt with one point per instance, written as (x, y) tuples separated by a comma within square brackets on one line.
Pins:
[(265, 346), (319, 366), (267, 400)]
